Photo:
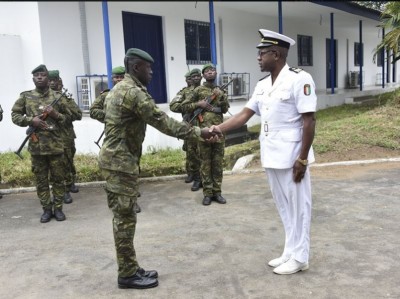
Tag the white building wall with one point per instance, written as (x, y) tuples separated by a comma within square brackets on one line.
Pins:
[(56, 40)]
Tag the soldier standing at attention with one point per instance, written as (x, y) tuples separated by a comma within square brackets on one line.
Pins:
[(176, 106), (68, 135), (97, 108), (286, 102), (128, 109), (211, 154), (192, 152), (47, 150)]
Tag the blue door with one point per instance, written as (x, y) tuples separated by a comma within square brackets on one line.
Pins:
[(145, 32)]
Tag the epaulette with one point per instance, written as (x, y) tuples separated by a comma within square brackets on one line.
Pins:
[(105, 90), (25, 92), (295, 69), (264, 77)]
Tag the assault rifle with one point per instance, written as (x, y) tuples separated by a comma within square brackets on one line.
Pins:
[(31, 131), (198, 111), (98, 140)]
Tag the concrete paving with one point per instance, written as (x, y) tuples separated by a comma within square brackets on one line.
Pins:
[(218, 251)]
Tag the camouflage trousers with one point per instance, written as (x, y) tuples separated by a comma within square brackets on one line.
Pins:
[(122, 192), (70, 170), (193, 161), (42, 168), (212, 158)]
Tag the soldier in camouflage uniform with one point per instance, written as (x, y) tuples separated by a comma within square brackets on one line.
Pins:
[(68, 135), (175, 106), (129, 108), (192, 154), (97, 108), (47, 151), (211, 154), (1, 118)]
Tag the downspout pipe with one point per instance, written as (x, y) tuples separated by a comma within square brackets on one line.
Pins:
[(280, 16), (383, 60), (212, 34), (107, 43), (360, 56), (84, 35), (332, 56)]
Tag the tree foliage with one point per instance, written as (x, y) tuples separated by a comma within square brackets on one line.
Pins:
[(376, 5), (390, 21)]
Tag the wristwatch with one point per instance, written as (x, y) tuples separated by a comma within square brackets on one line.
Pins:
[(304, 162)]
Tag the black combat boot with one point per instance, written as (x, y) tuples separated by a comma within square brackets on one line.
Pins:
[(46, 216), (74, 188), (196, 183), (137, 208), (189, 178), (207, 200), (67, 198), (137, 281), (59, 215), (219, 199)]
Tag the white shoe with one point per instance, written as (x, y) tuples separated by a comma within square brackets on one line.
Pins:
[(278, 261), (290, 267)]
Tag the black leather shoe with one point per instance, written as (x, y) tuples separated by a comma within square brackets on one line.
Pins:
[(67, 198), (137, 281), (150, 274), (74, 189), (137, 208), (206, 200), (219, 199), (46, 216), (59, 215), (196, 185), (189, 178)]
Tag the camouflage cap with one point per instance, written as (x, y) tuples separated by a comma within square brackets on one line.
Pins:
[(206, 66), (54, 74), (139, 53), (40, 68), (195, 71), (187, 74), (119, 70)]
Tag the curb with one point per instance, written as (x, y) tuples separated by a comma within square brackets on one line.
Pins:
[(227, 172)]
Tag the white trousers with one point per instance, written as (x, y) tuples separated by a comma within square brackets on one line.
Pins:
[(293, 201)]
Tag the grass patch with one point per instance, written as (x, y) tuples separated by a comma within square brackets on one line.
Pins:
[(339, 129)]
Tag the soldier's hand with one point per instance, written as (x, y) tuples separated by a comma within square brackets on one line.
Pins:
[(37, 122), (216, 130), (208, 136), (49, 110), (205, 105)]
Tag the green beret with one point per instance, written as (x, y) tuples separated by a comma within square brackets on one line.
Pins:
[(139, 53), (187, 74), (54, 74), (195, 71), (119, 70), (40, 68), (206, 66)]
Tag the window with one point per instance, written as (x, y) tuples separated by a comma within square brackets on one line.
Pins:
[(356, 54), (379, 57), (197, 39), (304, 50)]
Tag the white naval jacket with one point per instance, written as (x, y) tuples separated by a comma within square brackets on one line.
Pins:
[(280, 107)]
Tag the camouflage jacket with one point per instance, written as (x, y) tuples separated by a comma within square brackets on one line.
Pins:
[(210, 118), (129, 108), (67, 131), (30, 104), (97, 108)]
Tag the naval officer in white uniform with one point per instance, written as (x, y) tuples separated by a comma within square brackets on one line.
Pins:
[(287, 103)]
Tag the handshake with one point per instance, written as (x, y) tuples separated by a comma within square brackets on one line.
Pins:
[(212, 134)]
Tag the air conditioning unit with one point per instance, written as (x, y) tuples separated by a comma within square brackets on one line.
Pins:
[(237, 86), (225, 79), (90, 88)]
